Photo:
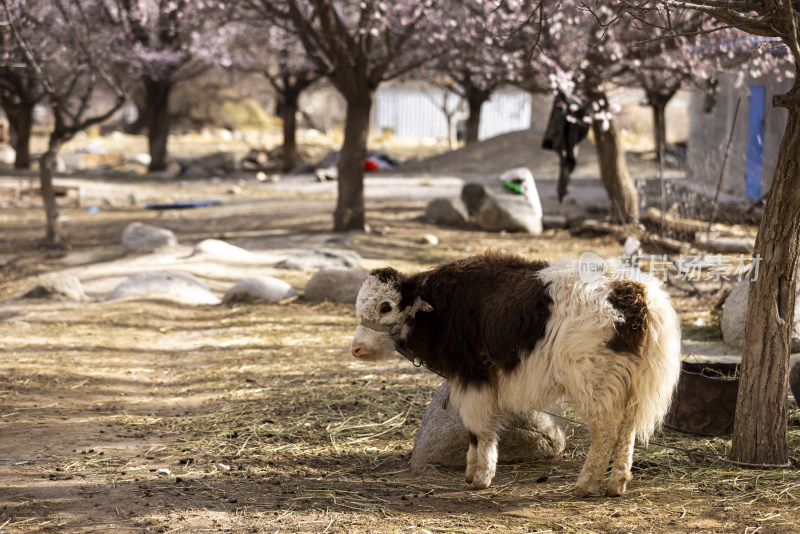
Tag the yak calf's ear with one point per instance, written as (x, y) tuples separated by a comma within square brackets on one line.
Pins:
[(419, 305), (387, 275)]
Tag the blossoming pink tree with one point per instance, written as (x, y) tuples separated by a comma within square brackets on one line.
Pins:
[(359, 45), (589, 48), (70, 52), (485, 50), (166, 42), (759, 434), (20, 91), (578, 46), (277, 54), (688, 51)]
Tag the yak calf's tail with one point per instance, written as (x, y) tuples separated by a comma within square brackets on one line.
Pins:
[(657, 376)]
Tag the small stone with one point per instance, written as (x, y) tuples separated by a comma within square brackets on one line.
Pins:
[(429, 239)]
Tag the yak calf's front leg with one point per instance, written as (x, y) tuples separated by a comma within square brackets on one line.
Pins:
[(481, 460), (477, 407)]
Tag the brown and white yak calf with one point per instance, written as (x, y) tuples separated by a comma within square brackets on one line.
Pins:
[(513, 335)]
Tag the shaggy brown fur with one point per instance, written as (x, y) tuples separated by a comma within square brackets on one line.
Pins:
[(630, 299), (489, 312)]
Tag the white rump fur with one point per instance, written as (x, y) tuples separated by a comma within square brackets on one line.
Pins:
[(620, 396)]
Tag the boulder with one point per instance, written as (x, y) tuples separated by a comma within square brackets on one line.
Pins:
[(443, 441), (323, 258), (473, 195), (264, 289), (340, 285), (794, 382), (447, 212), (510, 213), (522, 177), (221, 250), (172, 285), (140, 238), (734, 316), (59, 286)]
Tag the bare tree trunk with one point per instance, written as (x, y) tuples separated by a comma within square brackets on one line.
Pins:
[(23, 127), (289, 109), (349, 214), (475, 100), (47, 164), (20, 122), (658, 103), (157, 109), (622, 194), (759, 431)]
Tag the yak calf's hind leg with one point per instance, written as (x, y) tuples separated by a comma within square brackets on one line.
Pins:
[(623, 455), (603, 433)]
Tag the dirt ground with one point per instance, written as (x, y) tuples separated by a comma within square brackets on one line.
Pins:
[(151, 416)]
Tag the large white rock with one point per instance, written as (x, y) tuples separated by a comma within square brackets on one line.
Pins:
[(59, 286), (260, 289), (510, 213), (221, 250), (172, 285), (340, 285), (524, 176), (323, 258), (140, 238), (443, 441), (734, 316)]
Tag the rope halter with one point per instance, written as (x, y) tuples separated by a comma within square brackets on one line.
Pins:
[(393, 330)]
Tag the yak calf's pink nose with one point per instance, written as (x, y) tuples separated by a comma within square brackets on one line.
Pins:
[(356, 349)]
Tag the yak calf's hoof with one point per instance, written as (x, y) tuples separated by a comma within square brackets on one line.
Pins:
[(581, 492), (477, 485), (480, 482), (617, 484), (587, 490), (469, 476), (615, 490)]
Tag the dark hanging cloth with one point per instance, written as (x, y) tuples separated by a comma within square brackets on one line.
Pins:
[(565, 129)]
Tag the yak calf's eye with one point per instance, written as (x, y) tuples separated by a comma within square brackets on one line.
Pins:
[(386, 307)]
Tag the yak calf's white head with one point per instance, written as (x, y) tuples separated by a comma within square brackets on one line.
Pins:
[(383, 316)]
